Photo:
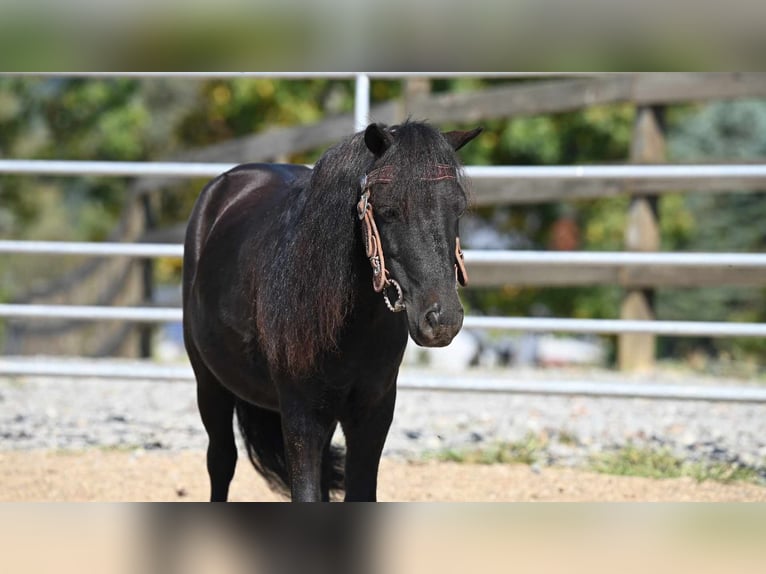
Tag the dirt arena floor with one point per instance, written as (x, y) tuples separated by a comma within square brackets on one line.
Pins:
[(111, 476)]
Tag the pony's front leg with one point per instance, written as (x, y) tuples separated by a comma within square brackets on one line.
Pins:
[(306, 433), (365, 433)]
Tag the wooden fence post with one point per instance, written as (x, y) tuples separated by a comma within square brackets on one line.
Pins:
[(414, 88), (636, 352), (146, 331)]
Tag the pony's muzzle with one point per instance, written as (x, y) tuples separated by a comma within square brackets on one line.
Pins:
[(436, 327)]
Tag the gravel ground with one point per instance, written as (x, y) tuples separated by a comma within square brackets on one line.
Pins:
[(59, 414)]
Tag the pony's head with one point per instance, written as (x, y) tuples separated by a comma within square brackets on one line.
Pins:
[(415, 195)]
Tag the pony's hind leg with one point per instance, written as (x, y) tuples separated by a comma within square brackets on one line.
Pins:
[(216, 408)]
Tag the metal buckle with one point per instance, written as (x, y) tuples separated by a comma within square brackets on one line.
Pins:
[(361, 207)]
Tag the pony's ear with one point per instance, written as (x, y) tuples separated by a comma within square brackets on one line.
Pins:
[(377, 139), (458, 139)]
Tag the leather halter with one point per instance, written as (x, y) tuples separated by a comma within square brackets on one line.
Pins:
[(374, 246)]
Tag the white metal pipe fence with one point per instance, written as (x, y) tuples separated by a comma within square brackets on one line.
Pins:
[(527, 324), (361, 102), (92, 313), (550, 172), (473, 257), (615, 259), (104, 249), (415, 381), (361, 113)]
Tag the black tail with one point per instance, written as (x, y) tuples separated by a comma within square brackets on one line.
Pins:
[(262, 431)]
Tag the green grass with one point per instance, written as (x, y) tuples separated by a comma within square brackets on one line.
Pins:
[(525, 451), (636, 461), (567, 438), (725, 473), (628, 461)]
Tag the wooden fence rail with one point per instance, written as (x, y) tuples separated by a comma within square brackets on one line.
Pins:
[(558, 96)]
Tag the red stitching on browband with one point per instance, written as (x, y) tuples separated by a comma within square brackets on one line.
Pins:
[(443, 172), (385, 174)]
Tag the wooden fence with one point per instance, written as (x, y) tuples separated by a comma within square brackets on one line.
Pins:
[(648, 92)]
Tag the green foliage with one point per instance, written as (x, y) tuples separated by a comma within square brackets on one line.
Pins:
[(637, 461), (598, 134), (689, 222), (67, 119), (726, 222), (678, 226), (226, 109), (532, 140)]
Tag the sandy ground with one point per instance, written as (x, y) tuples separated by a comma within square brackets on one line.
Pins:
[(110, 476)]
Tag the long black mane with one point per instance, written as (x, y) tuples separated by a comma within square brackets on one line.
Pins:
[(307, 291), (310, 283)]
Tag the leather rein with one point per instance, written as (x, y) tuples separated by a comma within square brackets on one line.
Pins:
[(373, 245)]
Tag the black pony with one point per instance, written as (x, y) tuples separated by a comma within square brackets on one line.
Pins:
[(292, 285)]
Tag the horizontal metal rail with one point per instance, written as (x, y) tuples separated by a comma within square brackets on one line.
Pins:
[(533, 324), (55, 367), (299, 75), (617, 326), (604, 389), (93, 313), (112, 168), (473, 257), (618, 172), (557, 172), (186, 75), (614, 258), (594, 326), (100, 249), (465, 383)]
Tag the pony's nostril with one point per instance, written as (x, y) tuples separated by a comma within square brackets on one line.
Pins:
[(433, 315)]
